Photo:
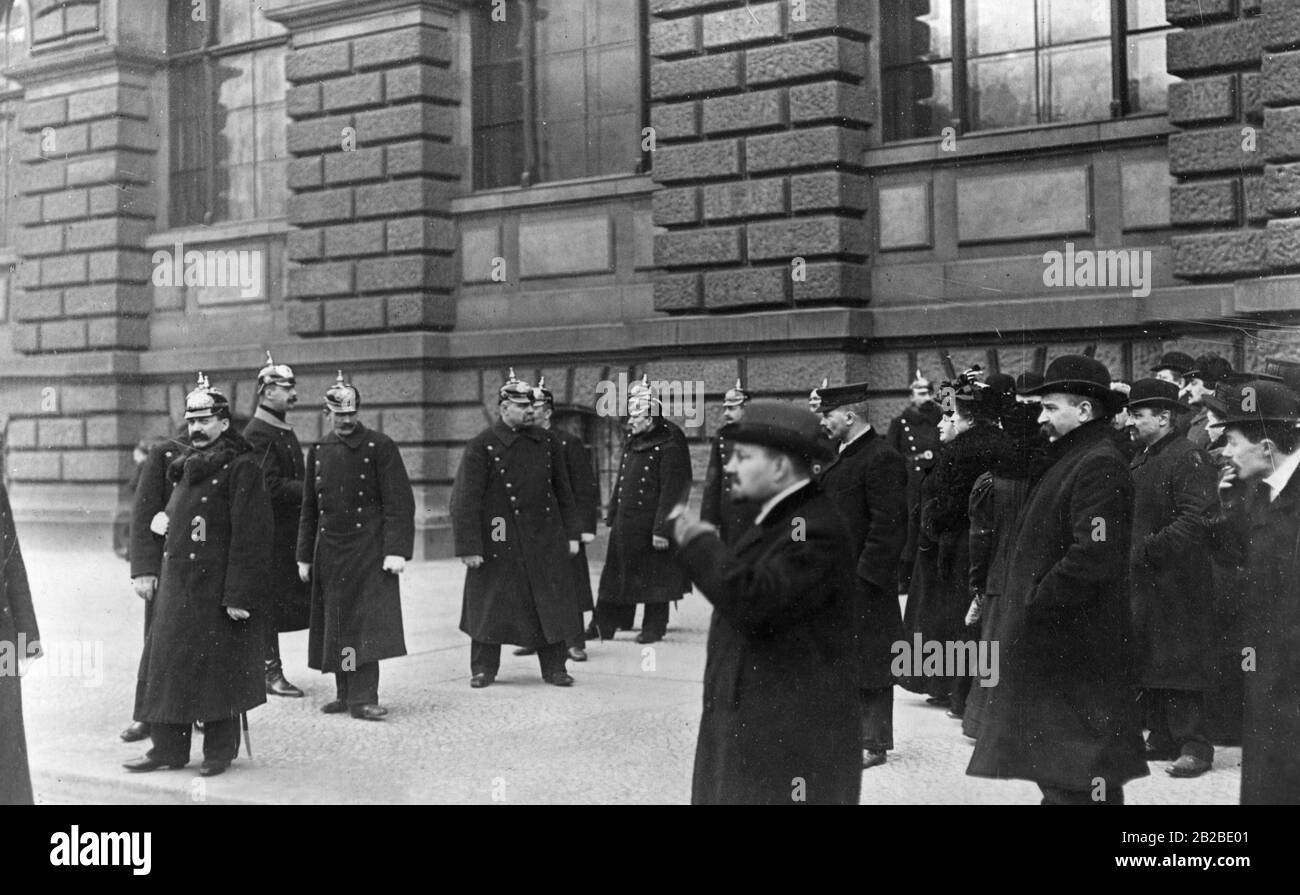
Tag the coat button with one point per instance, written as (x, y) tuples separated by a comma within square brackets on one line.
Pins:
[(203, 500), (508, 485), (363, 475), (358, 525), (214, 481), (192, 555), (365, 459)]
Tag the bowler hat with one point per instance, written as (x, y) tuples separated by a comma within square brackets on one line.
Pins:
[(1287, 371), (1028, 380), (1210, 369), (1178, 361), (1258, 401), (1077, 374), (782, 426), (1155, 393)]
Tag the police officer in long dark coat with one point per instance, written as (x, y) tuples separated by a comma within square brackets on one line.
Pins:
[(17, 626), (640, 565), (914, 433), (356, 533), (732, 517), (152, 491), (516, 528), (1174, 494), (586, 502), (203, 656), (866, 480), (1260, 530), (780, 723), (1063, 713), (280, 456)]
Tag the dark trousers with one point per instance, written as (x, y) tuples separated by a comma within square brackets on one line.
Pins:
[(877, 717), (610, 617), (271, 647), (485, 658), (1055, 795), (171, 742), (360, 687), (1176, 719)]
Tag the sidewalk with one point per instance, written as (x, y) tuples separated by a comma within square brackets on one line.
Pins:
[(623, 734)]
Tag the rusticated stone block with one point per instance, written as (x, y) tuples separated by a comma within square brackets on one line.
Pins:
[(417, 44), (1281, 78), (314, 63), (828, 191), (353, 92), (404, 122), (1220, 254), (1202, 100), (354, 315), (1281, 134), (801, 373), (317, 134), (306, 318), (306, 173), (1252, 96), (759, 22), (806, 237), (404, 274), (306, 245), (1218, 149), (697, 161), (421, 81), (1252, 189), (352, 240), (1193, 13), (708, 246), (302, 100), (825, 56), (745, 199), (1229, 45), (1282, 188), (1203, 202), (831, 101), (745, 112), (428, 158), (1281, 25), (674, 38), (676, 206), (834, 281), (1284, 244), (352, 167), (751, 287), (96, 466), (313, 280), (812, 148), (677, 292), (421, 311), (845, 16), (675, 121), (691, 77)]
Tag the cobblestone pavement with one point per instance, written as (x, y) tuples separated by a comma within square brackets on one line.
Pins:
[(624, 733)]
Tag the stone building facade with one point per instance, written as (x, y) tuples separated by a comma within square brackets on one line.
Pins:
[(424, 193)]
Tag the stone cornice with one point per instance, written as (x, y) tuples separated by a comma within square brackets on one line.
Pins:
[(299, 14), (56, 64)]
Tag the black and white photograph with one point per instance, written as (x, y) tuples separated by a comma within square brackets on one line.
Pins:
[(651, 402)]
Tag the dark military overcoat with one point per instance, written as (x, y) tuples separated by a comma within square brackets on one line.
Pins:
[(867, 483), (586, 501), (198, 663), (1063, 713), (513, 505), (1175, 493), (654, 474), (280, 456), (781, 721), (16, 617), (356, 509)]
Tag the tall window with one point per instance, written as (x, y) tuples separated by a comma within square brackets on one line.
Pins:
[(981, 64), (13, 48), (228, 157), (558, 90)]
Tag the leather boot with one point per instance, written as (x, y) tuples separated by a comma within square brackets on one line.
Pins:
[(276, 685)]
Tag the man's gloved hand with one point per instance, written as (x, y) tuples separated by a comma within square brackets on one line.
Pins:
[(395, 564), (659, 543), (588, 537), (145, 586), (158, 524), (687, 527), (976, 610), (573, 548), (472, 562), (304, 571), (238, 615)]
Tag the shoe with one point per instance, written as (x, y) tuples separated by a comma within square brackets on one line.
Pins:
[(336, 707), (939, 701), (559, 679), (871, 758), (644, 637), (577, 654), (276, 685), (525, 651), (1188, 766), (954, 714), (139, 730), (211, 767), (368, 712), (481, 680), (143, 765), (1160, 754)]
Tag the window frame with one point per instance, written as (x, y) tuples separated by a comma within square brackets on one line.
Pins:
[(530, 131), (209, 54), (959, 60)]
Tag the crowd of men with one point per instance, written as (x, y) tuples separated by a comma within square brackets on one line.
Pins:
[(1130, 552)]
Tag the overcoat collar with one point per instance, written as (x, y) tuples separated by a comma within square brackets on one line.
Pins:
[(508, 436), (354, 440), (1079, 439), (271, 419), (1147, 453), (660, 434), (856, 446), (777, 516)]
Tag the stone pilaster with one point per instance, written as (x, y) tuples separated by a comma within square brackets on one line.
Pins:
[(1280, 95), (759, 113)]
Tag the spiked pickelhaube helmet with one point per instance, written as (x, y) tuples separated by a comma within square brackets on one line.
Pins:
[(205, 401), (342, 396)]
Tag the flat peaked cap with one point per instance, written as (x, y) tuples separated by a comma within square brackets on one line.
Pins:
[(781, 426), (841, 395)]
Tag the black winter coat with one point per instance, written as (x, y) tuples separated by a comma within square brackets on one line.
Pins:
[(357, 509), (513, 505), (586, 501), (867, 483), (1262, 537), (1175, 493), (279, 455), (780, 721), (654, 475), (17, 617), (198, 663), (152, 491), (1063, 712), (732, 518)]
